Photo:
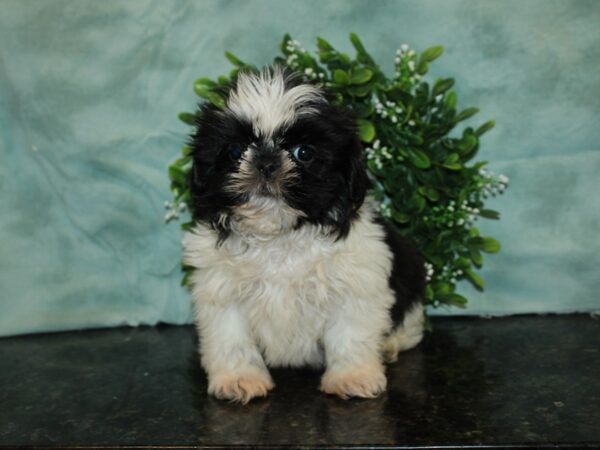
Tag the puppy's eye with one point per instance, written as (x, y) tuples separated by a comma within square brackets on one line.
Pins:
[(235, 152), (303, 153)]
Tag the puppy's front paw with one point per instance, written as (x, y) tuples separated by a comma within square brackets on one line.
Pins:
[(240, 386), (366, 381)]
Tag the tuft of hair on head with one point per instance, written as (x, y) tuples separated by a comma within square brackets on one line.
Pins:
[(272, 99)]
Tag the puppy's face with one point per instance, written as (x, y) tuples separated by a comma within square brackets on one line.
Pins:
[(278, 156)]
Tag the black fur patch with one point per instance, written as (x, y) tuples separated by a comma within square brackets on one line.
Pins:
[(407, 279), (332, 186)]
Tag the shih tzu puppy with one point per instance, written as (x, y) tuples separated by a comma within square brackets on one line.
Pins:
[(292, 266)]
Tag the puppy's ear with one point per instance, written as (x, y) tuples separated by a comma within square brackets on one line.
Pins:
[(203, 179), (358, 181), (354, 184)]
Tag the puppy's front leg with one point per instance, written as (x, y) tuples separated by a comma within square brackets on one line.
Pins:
[(352, 352), (234, 365)]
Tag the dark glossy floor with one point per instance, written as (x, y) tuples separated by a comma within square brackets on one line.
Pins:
[(528, 381)]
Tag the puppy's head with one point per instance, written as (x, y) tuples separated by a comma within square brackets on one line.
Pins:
[(279, 155)]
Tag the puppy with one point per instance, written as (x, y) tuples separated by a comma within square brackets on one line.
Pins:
[(292, 267)]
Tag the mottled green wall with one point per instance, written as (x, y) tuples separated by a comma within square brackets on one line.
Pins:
[(89, 92)]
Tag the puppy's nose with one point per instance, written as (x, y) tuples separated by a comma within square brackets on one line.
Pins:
[(267, 162), (267, 169)]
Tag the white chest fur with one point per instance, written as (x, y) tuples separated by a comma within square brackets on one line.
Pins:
[(288, 287)]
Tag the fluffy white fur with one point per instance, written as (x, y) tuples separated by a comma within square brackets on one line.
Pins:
[(267, 298), (263, 100)]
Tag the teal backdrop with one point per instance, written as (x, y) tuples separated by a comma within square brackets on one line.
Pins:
[(90, 91)]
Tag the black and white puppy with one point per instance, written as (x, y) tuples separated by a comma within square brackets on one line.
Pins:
[(292, 266)]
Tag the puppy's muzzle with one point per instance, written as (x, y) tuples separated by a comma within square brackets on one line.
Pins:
[(267, 164)]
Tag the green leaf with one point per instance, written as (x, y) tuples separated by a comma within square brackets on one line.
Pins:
[(419, 159), (188, 118), (400, 217), (452, 158), (363, 56), (422, 67), (467, 143), (455, 299), (323, 45), (177, 175), (485, 127), (429, 295), (490, 245), (234, 59), (479, 165), (475, 279), (284, 42), (373, 168), (366, 130), (186, 150), (341, 77), (450, 100), (417, 202), (430, 193), (432, 53), (363, 110), (453, 166), (442, 289), (360, 75), (206, 82), (465, 114), (476, 257), (182, 162), (187, 273), (204, 87), (360, 91), (216, 100), (489, 214), (442, 86)]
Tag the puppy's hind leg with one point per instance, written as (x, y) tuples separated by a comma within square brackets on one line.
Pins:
[(405, 335)]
